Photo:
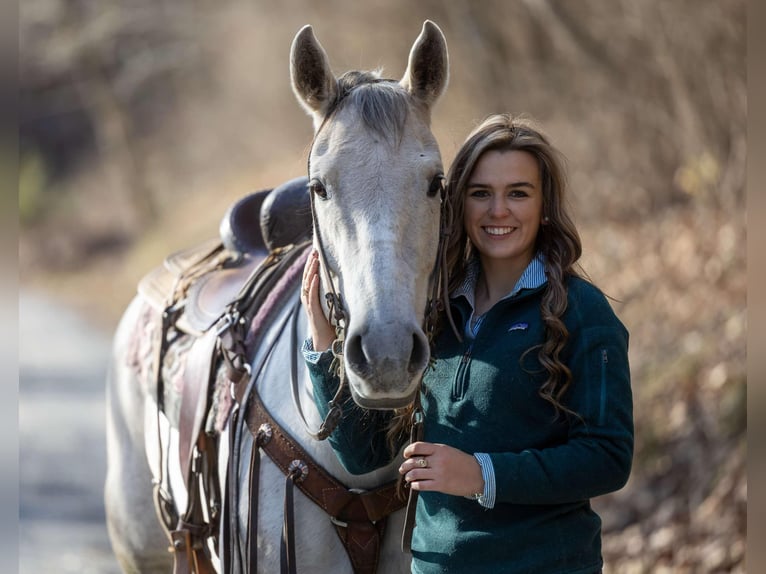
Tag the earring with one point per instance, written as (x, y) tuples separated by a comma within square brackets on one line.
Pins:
[(546, 220)]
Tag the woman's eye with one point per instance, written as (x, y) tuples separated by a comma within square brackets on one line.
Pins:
[(317, 188)]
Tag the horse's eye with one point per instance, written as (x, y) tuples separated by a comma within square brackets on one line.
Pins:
[(436, 185), (317, 188)]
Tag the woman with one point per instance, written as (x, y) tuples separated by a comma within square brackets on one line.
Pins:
[(528, 414)]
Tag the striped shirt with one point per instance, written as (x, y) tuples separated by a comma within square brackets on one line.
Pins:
[(532, 278)]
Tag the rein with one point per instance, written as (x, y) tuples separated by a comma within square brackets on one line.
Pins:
[(438, 302)]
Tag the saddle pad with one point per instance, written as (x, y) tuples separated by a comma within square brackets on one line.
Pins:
[(156, 287)]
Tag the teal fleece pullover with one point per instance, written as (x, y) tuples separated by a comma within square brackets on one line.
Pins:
[(482, 396)]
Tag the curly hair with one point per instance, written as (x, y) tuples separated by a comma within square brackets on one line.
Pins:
[(557, 240)]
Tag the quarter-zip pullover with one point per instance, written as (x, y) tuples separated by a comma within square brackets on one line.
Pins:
[(482, 395)]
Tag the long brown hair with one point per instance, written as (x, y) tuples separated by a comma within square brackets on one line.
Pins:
[(557, 240)]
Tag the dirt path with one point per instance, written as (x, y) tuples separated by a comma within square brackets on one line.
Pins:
[(62, 462)]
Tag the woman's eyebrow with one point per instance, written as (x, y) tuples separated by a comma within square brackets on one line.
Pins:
[(478, 184)]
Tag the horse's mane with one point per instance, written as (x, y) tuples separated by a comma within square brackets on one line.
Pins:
[(382, 104)]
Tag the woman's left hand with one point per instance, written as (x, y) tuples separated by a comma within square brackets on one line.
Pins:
[(441, 468)]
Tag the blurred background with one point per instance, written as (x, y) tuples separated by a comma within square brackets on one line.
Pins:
[(141, 122)]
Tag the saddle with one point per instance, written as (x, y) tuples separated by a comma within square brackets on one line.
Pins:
[(207, 277), (218, 297), (194, 290)]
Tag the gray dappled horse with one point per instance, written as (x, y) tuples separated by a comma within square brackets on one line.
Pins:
[(374, 168)]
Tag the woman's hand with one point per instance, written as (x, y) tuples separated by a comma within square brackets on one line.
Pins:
[(441, 468), (322, 332)]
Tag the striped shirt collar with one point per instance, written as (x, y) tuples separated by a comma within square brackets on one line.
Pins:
[(532, 278)]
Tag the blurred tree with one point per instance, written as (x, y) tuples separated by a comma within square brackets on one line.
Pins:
[(96, 77)]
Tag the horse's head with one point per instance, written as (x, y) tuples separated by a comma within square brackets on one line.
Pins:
[(375, 175)]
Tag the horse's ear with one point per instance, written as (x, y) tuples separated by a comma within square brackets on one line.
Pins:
[(428, 66), (313, 81)]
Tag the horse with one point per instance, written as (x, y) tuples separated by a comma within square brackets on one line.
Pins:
[(374, 172)]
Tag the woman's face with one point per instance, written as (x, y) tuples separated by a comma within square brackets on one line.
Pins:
[(503, 207)]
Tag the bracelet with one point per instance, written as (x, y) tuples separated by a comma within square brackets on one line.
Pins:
[(477, 496)]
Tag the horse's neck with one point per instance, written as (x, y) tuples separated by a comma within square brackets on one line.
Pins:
[(274, 388)]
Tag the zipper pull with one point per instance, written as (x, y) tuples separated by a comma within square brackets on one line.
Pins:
[(604, 357)]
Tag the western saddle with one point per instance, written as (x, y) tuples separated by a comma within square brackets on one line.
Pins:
[(210, 295)]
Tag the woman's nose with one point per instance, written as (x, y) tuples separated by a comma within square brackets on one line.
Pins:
[(498, 206)]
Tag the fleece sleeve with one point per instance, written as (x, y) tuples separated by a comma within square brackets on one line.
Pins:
[(596, 456), (359, 440)]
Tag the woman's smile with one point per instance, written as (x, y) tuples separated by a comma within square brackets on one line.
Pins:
[(499, 230)]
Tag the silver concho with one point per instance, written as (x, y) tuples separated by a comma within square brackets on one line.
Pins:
[(265, 433), (298, 469)]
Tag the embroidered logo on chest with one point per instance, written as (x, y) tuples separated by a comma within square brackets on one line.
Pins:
[(518, 327)]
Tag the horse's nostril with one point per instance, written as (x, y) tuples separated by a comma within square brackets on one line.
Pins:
[(355, 353), (420, 353)]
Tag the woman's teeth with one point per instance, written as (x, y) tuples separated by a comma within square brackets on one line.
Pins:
[(498, 230)]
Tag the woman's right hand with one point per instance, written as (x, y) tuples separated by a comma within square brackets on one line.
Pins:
[(322, 332)]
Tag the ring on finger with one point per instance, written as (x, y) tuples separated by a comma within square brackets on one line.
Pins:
[(421, 462)]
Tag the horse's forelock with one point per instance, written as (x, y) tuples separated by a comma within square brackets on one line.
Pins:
[(383, 105)]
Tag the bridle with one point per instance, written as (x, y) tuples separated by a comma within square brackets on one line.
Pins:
[(339, 317), (437, 302)]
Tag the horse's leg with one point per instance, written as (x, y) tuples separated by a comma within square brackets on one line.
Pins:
[(138, 540)]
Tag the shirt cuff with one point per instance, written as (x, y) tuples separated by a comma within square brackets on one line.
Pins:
[(309, 354), (487, 499)]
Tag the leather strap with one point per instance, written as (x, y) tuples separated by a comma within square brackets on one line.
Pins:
[(189, 540), (237, 560), (416, 434), (252, 516), (359, 517), (194, 395), (287, 560), (254, 305), (163, 502), (189, 559), (183, 559), (231, 556)]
